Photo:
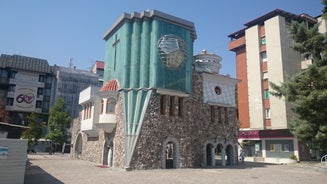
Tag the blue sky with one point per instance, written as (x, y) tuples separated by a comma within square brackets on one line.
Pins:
[(59, 29)]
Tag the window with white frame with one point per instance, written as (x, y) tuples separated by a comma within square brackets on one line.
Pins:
[(263, 56), (263, 40), (266, 94), (268, 114), (111, 104)]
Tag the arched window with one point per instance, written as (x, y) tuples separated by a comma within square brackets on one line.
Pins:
[(101, 106), (111, 104)]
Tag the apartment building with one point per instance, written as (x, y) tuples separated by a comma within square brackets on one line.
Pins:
[(263, 55), (26, 86), (69, 83), (30, 84), (98, 68)]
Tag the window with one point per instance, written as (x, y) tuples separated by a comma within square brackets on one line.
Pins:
[(38, 104), (41, 78), (13, 75), (213, 113), (217, 90), (286, 148), (45, 106), (220, 114), (263, 40), (265, 75), (101, 106), (90, 111), (12, 88), (39, 92), (3, 73), (87, 111), (111, 103), (263, 56), (272, 147), (266, 94), (10, 101), (180, 106), (172, 105), (226, 114), (268, 114), (163, 104), (47, 92), (86, 108), (48, 79)]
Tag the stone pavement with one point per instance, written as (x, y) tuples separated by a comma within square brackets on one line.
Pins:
[(57, 169)]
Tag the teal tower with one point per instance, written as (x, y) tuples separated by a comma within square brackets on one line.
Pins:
[(147, 52)]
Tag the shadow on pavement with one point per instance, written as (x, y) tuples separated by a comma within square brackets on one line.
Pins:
[(246, 165), (34, 174)]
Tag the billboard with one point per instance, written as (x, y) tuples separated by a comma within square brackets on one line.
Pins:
[(3, 152), (25, 98)]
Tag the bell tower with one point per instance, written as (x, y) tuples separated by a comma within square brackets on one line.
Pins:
[(148, 52)]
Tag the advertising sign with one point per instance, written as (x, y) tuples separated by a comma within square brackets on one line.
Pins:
[(3, 152), (25, 98)]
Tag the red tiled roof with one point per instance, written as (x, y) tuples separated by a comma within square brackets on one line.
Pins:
[(111, 85), (99, 64)]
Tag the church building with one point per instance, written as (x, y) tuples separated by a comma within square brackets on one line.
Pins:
[(160, 106)]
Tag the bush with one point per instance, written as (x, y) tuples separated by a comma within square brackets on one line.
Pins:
[(293, 157)]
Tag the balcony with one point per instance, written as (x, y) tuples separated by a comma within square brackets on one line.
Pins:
[(88, 94), (89, 100), (107, 122), (233, 45), (306, 63), (87, 126)]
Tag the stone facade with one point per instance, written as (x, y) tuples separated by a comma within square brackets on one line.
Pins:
[(190, 133), (161, 106)]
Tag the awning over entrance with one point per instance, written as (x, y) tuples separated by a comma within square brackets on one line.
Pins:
[(259, 134)]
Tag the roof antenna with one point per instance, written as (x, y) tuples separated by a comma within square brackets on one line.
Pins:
[(70, 62)]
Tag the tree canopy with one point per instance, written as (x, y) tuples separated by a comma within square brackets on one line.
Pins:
[(307, 89), (34, 132), (59, 121)]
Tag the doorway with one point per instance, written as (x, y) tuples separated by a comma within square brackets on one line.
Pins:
[(170, 155), (219, 155), (210, 155), (229, 155), (79, 146)]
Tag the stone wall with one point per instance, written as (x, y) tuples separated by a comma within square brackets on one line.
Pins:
[(75, 130), (119, 138), (192, 131), (92, 146)]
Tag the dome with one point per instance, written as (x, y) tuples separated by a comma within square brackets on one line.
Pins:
[(207, 62), (111, 85)]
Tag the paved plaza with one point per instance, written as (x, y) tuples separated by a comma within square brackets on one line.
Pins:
[(56, 169)]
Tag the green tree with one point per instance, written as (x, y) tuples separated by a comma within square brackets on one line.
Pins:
[(59, 121), (307, 89), (34, 132)]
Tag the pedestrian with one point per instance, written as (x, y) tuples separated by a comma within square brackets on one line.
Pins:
[(242, 155)]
